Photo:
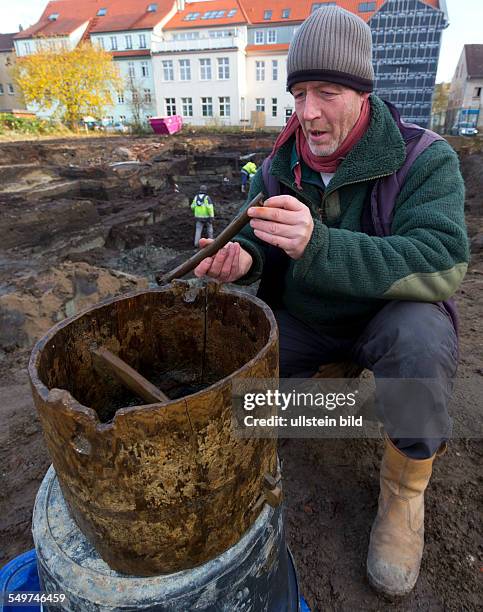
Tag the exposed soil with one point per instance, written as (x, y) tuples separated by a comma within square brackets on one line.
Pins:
[(75, 229)]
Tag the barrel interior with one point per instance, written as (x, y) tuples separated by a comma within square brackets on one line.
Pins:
[(180, 341)]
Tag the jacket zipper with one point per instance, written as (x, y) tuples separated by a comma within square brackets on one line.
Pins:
[(328, 192), (322, 214)]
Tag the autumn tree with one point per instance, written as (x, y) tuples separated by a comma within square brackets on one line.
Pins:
[(74, 83), (440, 97), (440, 105)]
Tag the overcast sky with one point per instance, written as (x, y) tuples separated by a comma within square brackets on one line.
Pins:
[(465, 17)]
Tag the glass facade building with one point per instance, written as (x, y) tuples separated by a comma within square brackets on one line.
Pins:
[(406, 37)]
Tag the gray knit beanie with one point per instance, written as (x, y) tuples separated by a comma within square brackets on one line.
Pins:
[(332, 45)]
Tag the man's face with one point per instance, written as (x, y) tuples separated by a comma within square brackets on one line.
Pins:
[(327, 113)]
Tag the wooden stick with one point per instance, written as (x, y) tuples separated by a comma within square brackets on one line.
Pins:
[(219, 242), (130, 378)]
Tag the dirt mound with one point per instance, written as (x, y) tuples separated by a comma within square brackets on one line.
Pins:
[(471, 168), (34, 303)]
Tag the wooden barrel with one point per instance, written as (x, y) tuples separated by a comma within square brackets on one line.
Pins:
[(160, 487)]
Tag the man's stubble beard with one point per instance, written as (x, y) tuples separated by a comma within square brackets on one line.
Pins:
[(323, 150)]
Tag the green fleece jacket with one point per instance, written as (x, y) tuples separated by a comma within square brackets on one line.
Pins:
[(345, 276)]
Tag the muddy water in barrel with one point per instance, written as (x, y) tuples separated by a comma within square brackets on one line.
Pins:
[(157, 487)]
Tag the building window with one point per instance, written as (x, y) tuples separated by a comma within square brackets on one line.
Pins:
[(221, 33), (170, 104), (271, 37), (259, 38), (131, 69), (186, 36), (223, 68), (187, 107), (205, 69), (144, 69), (317, 5), (267, 14), (191, 16), (26, 47), (142, 41), (147, 96), (260, 71), (120, 98), (207, 107), (231, 13), (185, 70), (122, 118), (274, 107), (224, 106), (168, 71), (101, 12), (366, 7), (100, 43), (260, 105), (285, 13), (1, 89), (288, 114), (11, 90), (152, 8), (128, 40), (113, 43), (275, 70)]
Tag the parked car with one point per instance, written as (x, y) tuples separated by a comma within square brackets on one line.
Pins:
[(468, 131), (116, 127)]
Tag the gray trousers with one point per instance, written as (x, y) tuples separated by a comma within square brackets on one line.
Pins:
[(404, 340), (200, 224)]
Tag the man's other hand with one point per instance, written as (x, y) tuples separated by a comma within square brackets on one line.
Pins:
[(228, 265), (284, 222)]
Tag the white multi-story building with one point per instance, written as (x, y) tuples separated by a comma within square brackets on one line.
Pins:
[(129, 39), (218, 61), (199, 64), (465, 102)]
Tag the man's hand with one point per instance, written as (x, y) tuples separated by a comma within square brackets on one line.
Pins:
[(228, 265), (284, 222)]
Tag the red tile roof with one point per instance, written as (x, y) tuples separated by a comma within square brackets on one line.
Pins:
[(71, 16), (120, 15), (298, 11), (179, 21), (267, 48), (131, 53), (131, 15), (474, 61), (253, 11)]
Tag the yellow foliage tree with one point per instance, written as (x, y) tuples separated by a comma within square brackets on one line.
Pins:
[(75, 83)]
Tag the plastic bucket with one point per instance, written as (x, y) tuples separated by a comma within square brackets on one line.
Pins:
[(20, 575), (255, 575)]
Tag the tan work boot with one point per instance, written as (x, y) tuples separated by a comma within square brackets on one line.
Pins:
[(397, 536)]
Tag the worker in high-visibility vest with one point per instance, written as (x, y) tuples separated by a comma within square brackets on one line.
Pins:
[(202, 206), (247, 173)]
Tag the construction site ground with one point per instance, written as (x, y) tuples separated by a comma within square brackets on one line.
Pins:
[(82, 220)]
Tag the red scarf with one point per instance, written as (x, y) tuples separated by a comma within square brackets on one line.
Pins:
[(318, 163)]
